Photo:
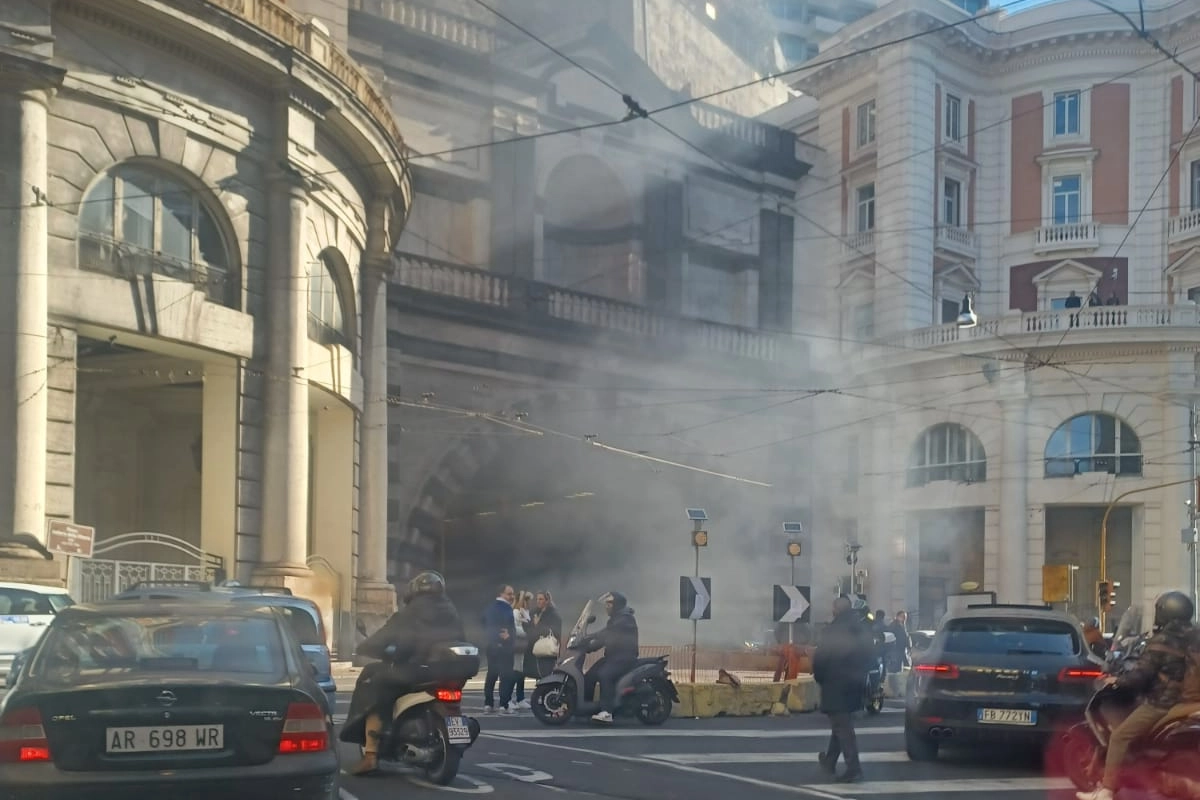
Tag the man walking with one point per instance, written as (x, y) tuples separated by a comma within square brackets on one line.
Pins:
[(840, 668)]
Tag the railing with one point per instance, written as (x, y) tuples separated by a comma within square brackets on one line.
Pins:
[(532, 299), (856, 245), (773, 148), (1185, 226), (111, 256), (960, 240), (1073, 236), (98, 578), (718, 119), (431, 22), (1034, 322), (292, 29)]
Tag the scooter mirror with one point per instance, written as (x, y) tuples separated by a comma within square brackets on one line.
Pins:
[(390, 650)]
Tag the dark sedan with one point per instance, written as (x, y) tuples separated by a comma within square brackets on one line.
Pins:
[(154, 699), (998, 673)]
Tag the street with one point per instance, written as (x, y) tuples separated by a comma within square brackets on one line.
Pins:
[(717, 758)]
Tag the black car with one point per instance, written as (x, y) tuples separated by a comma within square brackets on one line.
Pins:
[(167, 699), (998, 672), (14, 671)]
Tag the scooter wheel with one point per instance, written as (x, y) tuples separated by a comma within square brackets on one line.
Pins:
[(445, 768), (553, 705), (1081, 760), (657, 710)]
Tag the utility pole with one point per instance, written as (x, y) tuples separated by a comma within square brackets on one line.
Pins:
[(1193, 511)]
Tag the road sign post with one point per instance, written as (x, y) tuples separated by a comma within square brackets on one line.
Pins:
[(792, 604), (794, 549), (70, 540), (699, 539)]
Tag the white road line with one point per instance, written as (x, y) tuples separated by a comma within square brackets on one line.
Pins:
[(667, 733), (983, 786), (895, 757), (804, 791), (344, 794)]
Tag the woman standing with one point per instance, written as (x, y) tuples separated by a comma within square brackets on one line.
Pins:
[(522, 619), (545, 625)]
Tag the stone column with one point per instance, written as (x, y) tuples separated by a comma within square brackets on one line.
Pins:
[(26, 86), (1011, 466), (285, 445), (375, 597)]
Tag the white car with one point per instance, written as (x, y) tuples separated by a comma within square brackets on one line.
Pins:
[(25, 612)]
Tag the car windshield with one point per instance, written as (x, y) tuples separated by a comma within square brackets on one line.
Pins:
[(91, 644), (1010, 637)]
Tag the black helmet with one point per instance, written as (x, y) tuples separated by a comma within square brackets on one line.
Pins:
[(1172, 607), (428, 582)]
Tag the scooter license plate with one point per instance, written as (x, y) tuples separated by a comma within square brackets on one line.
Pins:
[(457, 731)]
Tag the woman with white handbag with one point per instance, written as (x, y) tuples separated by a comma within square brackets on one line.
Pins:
[(522, 620), (545, 638)]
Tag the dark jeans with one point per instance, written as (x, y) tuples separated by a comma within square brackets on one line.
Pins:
[(606, 673), (499, 668), (518, 679), (842, 741)]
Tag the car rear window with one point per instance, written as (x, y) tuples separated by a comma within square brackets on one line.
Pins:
[(24, 602), (125, 643), (302, 625), (1010, 637)]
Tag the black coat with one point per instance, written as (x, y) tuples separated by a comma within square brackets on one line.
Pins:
[(619, 637), (548, 622), (841, 663), (425, 621)]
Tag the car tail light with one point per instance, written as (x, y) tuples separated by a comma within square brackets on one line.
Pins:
[(449, 695), (943, 671), (22, 737), (1079, 674), (304, 729)]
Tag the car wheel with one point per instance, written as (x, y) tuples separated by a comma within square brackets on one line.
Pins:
[(920, 748)]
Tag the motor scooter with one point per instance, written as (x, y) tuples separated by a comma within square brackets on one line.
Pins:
[(428, 729), (646, 691), (873, 700)]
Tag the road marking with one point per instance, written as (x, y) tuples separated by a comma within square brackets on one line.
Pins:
[(896, 757), (666, 733), (518, 772), (804, 791), (984, 786), (344, 794), (477, 786)]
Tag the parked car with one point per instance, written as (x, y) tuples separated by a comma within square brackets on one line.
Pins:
[(25, 611), (998, 672), (302, 615), (161, 697)]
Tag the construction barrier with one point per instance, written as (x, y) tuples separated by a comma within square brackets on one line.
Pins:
[(707, 700)]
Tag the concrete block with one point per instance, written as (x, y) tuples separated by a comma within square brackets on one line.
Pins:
[(708, 700), (803, 694)]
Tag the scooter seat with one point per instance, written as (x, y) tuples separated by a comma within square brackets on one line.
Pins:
[(641, 662), (1178, 711)]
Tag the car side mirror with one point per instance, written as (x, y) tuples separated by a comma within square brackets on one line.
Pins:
[(390, 650), (591, 619)]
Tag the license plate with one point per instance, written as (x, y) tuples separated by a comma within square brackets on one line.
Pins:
[(1007, 716), (165, 739), (457, 731)]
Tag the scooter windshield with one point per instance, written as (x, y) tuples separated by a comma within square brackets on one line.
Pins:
[(581, 626)]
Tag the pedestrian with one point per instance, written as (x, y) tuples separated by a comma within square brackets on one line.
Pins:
[(498, 634), (840, 666), (898, 654), (545, 638), (521, 620)]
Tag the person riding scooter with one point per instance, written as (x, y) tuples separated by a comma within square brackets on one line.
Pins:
[(427, 617), (1158, 676), (620, 642)]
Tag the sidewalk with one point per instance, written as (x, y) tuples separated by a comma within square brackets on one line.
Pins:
[(345, 674)]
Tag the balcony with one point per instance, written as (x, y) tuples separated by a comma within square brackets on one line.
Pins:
[(1122, 321), (449, 28), (858, 245), (1072, 236), (121, 260), (1183, 228), (516, 300), (959, 241), (750, 143)]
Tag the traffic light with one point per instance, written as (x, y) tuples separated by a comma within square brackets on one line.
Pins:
[(1112, 594), (1104, 594)]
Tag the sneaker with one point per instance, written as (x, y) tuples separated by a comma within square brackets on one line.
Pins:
[(1102, 793), (508, 709), (489, 710), (603, 716), (524, 704)]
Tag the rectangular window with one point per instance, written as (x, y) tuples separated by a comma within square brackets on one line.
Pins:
[(953, 114), (865, 208), (1066, 199), (1195, 204), (864, 322), (951, 203), (950, 311), (1066, 114), (866, 123)]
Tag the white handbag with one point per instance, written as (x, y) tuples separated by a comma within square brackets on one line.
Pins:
[(546, 647)]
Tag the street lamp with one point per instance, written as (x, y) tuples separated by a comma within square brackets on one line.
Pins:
[(967, 317)]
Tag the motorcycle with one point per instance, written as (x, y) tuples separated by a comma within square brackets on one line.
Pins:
[(873, 701), (646, 691), (428, 729), (1167, 759)]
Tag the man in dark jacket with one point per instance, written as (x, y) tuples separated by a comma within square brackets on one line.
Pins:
[(498, 630), (427, 618), (1158, 676), (620, 642), (840, 665)]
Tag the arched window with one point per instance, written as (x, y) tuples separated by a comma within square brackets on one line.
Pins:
[(139, 221), (947, 452), (326, 305), (1093, 443)]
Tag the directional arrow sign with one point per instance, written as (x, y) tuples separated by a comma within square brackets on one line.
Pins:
[(695, 598), (791, 603)]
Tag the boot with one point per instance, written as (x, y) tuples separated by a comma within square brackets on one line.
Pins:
[(370, 761), (367, 764)]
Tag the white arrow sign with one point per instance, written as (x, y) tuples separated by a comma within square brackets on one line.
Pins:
[(799, 604), (702, 599)]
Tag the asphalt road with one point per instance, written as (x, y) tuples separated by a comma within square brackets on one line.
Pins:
[(516, 758)]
